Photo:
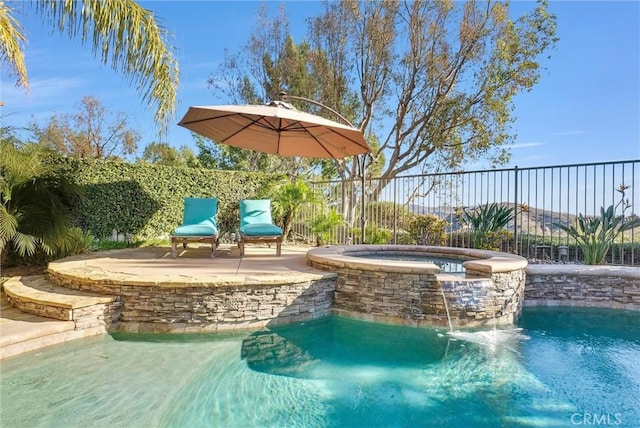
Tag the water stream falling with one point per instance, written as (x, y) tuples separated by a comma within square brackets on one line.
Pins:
[(489, 339), (446, 307)]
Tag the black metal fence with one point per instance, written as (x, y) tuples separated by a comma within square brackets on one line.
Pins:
[(542, 198)]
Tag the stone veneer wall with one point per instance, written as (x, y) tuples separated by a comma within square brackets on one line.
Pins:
[(202, 308), (100, 315), (498, 299), (616, 287), (417, 299), (481, 297)]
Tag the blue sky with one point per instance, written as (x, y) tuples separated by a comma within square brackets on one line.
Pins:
[(586, 107)]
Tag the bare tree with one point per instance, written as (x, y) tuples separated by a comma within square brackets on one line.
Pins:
[(91, 132), (435, 79)]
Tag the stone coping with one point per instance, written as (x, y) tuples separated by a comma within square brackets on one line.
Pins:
[(571, 269), (37, 289), (154, 267), (477, 260)]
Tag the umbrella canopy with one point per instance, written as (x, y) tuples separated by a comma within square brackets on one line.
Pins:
[(276, 128)]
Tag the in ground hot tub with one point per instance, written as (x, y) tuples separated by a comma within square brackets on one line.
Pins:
[(405, 285)]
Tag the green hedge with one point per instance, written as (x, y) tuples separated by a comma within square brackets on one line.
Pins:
[(146, 201)]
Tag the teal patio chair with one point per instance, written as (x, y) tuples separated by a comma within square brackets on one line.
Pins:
[(256, 224), (198, 224)]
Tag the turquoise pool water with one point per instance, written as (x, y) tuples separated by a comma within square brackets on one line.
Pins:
[(566, 367), (446, 264)]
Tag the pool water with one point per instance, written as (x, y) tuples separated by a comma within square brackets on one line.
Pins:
[(565, 367), (446, 264)]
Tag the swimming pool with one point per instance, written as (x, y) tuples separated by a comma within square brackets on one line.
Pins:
[(565, 366)]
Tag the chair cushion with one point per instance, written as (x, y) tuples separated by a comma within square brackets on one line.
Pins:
[(261, 229), (255, 211), (195, 230), (199, 210)]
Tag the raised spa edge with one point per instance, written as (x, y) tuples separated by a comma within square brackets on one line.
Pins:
[(343, 256)]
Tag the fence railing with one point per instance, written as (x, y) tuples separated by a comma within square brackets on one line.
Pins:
[(542, 198)]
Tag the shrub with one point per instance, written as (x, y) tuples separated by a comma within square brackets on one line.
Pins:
[(373, 235), (323, 225), (35, 201), (78, 242), (427, 229)]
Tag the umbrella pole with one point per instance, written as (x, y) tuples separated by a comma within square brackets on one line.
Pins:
[(362, 159)]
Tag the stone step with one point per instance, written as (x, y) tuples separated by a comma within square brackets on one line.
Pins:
[(36, 295), (21, 332), (36, 313)]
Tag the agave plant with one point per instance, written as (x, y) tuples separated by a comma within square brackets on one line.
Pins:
[(595, 235), (488, 223)]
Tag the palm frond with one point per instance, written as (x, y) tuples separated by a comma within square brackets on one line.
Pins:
[(128, 37), (24, 244), (8, 227), (11, 39)]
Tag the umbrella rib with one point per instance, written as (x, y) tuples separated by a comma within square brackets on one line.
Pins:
[(279, 136), (331, 155), (235, 133), (251, 122), (346, 137), (356, 142), (190, 122), (299, 126)]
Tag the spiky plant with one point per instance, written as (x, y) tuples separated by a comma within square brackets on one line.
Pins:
[(488, 223), (595, 235)]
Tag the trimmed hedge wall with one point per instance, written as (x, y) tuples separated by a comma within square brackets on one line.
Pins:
[(146, 201)]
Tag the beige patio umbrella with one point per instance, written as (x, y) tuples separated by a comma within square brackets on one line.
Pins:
[(279, 128), (276, 128)]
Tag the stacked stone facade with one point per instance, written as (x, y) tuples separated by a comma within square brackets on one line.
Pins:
[(425, 299), (615, 287), (211, 307)]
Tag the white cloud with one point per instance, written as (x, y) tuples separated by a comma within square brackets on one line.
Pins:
[(526, 145), (42, 92)]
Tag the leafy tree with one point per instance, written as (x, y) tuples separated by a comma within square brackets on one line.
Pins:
[(328, 221), (123, 33), (387, 215), (433, 82), (35, 199), (373, 235), (427, 229), (164, 154), (272, 58), (91, 132), (213, 156)]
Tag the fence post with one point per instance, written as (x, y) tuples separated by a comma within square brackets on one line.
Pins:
[(515, 212)]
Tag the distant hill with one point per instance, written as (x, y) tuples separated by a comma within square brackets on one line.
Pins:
[(533, 220)]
